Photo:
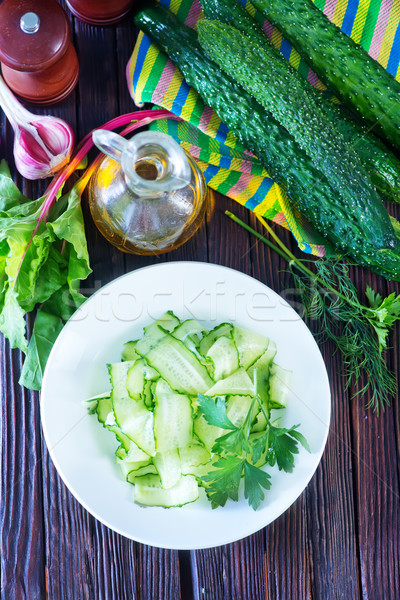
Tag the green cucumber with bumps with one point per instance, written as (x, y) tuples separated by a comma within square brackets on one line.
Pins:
[(233, 13), (362, 231), (291, 104), (383, 166), (344, 66)]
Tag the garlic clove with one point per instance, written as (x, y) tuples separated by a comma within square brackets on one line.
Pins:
[(56, 134), (30, 147), (43, 148), (42, 144)]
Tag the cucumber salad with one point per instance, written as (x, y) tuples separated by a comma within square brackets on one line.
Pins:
[(194, 408)]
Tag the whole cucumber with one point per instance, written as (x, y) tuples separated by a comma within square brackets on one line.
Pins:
[(357, 232), (348, 71), (382, 165), (233, 13), (267, 76)]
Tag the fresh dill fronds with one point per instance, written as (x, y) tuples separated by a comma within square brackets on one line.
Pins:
[(359, 330)]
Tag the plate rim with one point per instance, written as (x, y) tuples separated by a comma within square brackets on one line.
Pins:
[(59, 468)]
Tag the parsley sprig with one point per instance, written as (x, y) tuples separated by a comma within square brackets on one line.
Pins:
[(237, 453)]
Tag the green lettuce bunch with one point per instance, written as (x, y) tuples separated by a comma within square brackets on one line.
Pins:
[(43, 259)]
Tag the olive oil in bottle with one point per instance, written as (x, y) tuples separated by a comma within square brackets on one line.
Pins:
[(147, 196)]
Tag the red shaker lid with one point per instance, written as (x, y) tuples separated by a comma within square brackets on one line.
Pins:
[(33, 35)]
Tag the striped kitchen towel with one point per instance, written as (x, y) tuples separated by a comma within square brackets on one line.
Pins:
[(227, 166)]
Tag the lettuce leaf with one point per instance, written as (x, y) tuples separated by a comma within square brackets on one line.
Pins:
[(10, 195), (42, 263), (44, 334)]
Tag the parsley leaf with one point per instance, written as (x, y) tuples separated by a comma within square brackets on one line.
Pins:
[(300, 438), (283, 446), (374, 298), (385, 312), (258, 447), (238, 451), (254, 480), (224, 480), (234, 442), (215, 412)]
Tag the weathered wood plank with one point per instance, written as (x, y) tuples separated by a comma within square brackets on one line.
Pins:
[(22, 556), (330, 503), (287, 560), (231, 572), (126, 34), (157, 573), (376, 477), (378, 501)]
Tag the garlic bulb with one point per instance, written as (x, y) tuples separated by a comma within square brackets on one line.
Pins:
[(42, 144)]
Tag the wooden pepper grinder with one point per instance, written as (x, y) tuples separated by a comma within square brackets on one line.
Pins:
[(100, 12), (38, 60)]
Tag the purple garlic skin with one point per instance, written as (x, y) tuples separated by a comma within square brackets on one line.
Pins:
[(44, 148), (42, 145)]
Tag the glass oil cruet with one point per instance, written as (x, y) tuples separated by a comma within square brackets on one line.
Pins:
[(147, 196)]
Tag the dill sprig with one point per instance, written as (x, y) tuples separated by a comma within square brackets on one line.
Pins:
[(359, 330)]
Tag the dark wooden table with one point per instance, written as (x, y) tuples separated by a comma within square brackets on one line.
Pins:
[(341, 539)]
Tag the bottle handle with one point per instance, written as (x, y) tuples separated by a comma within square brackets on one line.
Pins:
[(110, 143)]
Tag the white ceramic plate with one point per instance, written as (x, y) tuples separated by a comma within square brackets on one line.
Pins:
[(83, 452)]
